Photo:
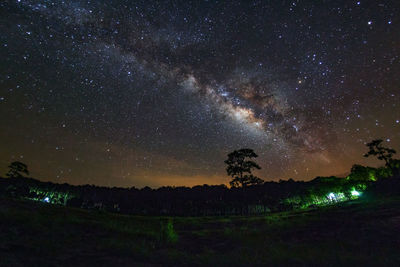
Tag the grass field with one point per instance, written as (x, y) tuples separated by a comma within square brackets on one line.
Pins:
[(358, 233)]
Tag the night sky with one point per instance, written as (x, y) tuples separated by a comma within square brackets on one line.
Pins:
[(135, 93)]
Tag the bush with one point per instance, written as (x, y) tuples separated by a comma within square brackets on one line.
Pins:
[(167, 233)]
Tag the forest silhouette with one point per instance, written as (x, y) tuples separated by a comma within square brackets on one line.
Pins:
[(248, 194)]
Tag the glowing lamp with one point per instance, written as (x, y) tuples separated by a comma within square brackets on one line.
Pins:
[(355, 193), (46, 199)]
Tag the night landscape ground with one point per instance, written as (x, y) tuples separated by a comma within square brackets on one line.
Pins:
[(359, 233)]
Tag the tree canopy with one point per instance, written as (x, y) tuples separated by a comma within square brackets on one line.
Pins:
[(381, 152), (16, 169), (240, 167)]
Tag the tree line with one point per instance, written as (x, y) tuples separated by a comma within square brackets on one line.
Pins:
[(247, 195)]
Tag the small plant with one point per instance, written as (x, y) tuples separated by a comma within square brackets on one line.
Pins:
[(167, 232)]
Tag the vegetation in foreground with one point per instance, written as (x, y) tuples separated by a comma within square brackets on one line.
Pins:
[(360, 232), (301, 223)]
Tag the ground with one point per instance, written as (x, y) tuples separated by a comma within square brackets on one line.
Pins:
[(357, 233)]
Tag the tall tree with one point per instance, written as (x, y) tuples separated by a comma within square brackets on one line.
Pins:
[(16, 169), (381, 152), (240, 167)]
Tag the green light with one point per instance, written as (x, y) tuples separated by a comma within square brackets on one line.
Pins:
[(372, 177)]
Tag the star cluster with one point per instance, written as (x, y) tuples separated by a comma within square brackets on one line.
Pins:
[(134, 93)]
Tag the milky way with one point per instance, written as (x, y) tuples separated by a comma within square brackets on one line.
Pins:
[(134, 93)]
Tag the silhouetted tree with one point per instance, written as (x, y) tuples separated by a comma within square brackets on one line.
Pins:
[(381, 152), (16, 168), (241, 169), (362, 173)]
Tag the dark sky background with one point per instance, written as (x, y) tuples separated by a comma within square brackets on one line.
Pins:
[(135, 93)]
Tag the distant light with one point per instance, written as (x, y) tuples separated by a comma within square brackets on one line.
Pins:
[(46, 199), (369, 22), (355, 193), (331, 196)]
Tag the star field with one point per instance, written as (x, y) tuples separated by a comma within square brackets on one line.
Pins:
[(135, 93)]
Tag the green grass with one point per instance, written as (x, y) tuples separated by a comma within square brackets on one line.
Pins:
[(350, 234)]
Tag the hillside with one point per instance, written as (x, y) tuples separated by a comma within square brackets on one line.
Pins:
[(351, 233)]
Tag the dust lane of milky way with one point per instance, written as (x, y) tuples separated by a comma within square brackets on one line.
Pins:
[(145, 93)]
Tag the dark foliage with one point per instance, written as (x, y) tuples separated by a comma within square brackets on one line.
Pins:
[(240, 167), (381, 152), (248, 195), (202, 200), (16, 169)]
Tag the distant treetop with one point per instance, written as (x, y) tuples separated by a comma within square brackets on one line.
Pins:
[(381, 152), (16, 169), (240, 169)]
